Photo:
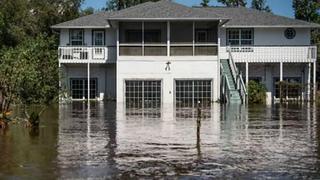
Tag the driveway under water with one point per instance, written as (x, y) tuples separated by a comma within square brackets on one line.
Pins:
[(110, 142)]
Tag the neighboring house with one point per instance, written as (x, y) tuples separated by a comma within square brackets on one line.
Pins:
[(163, 52)]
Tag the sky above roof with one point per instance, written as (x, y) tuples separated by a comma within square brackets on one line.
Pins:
[(279, 7)]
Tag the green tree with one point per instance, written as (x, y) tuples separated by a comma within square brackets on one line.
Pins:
[(307, 10), (87, 11), (28, 50), (23, 19), (205, 3), (233, 3), (29, 72), (260, 5), (113, 5)]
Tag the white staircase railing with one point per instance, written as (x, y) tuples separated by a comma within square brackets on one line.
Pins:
[(237, 76)]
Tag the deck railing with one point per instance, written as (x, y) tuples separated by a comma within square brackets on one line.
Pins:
[(83, 53), (273, 53), (175, 49)]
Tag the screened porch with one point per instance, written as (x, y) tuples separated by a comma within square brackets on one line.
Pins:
[(175, 38)]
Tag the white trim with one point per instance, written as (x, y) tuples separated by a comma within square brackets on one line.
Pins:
[(193, 19), (80, 27), (309, 82), (314, 80), (281, 71), (279, 26)]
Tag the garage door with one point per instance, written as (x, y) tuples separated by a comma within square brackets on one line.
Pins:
[(190, 92), (143, 94)]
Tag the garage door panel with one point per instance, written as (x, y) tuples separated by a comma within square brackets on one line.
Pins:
[(143, 94), (190, 92)]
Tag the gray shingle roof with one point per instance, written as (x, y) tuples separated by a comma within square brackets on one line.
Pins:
[(99, 19), (164, 9), (247, 17)]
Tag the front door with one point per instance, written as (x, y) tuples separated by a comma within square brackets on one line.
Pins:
[(98, 42)]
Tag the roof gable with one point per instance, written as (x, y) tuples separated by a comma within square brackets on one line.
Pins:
[(164, 9)]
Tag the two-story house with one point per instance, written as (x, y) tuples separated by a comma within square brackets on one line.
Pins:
[(164, 52)]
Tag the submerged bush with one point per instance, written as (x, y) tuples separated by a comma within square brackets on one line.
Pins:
[(257, 93)]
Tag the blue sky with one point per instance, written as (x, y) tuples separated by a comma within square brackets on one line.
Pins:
[(280, 7)]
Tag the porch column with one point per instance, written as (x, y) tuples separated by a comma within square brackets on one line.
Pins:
[(88, 73), (314, 79), (281, 71), (309, 82), (60, 84), (168, 38), (247, 74)]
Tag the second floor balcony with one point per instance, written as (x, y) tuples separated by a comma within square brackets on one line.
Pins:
[(270, 54), (84, 54)]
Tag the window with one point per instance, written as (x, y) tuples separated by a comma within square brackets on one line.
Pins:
[(290, 33), (133, 36), (79, 88), (152, 36), (98, 38), (190, 92), (130, 32), (76, 37), (143, 94), (240, 37), (201, 36)]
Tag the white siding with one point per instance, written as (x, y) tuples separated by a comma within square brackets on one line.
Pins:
[(156, 70), (64, 37), (275, 36), (110, 37), (87, 37), (270, 37)]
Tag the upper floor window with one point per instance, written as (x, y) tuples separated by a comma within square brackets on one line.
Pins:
[(201, 36), (76, 37), (130, 32), (240, 37), (98, 37), (206, 32)]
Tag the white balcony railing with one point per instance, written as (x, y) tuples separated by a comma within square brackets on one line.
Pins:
[(84, 54), (273, 53)]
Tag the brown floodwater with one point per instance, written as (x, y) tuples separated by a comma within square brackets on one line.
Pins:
[(112, 142)]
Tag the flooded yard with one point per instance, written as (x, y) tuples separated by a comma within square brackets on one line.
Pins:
[(112, 142)]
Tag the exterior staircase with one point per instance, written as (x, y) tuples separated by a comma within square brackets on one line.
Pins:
[(233, 89), (235, 96)]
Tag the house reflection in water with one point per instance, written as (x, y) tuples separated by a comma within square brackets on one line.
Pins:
[(112, 140)]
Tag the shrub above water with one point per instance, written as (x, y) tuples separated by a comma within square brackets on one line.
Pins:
[(257, 93)]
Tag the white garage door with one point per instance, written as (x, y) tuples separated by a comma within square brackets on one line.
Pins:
[(143, 94), (190, 92)]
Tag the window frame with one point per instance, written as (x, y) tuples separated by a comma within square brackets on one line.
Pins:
[(240, 30), (103, 39), (71, 36), (197, 35), (82, 87)]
